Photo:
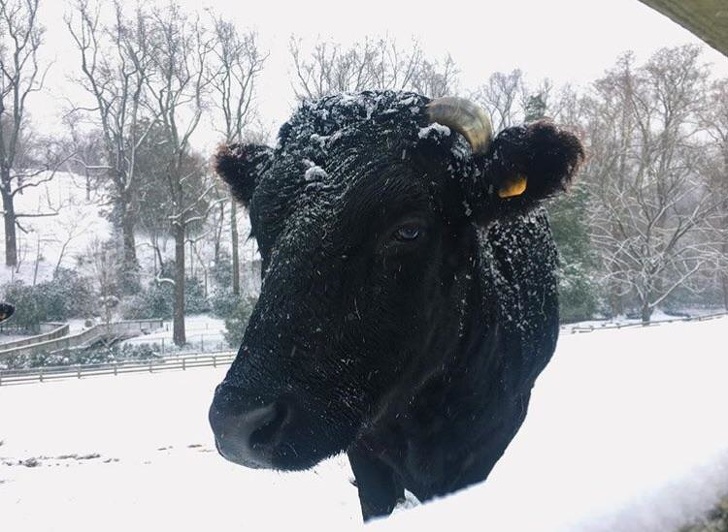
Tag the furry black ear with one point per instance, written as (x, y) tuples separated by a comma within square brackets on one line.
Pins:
[(523, 166), (240, 166)]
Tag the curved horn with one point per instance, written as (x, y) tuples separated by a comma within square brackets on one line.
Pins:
[(464, 117)]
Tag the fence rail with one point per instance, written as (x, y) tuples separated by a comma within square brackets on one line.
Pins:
[(576, 328), (33, 346), (49, 373), (57, 330)]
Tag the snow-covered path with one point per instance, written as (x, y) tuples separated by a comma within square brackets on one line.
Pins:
[(625, 433)]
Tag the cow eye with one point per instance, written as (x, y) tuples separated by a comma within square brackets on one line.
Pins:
[(408, 232)]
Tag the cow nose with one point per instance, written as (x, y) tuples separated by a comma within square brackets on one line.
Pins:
[(248, 438)]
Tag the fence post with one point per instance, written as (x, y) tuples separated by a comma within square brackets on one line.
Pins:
[(184, 364), (202, 343), (78, 371), (214, 361), (40, 374)]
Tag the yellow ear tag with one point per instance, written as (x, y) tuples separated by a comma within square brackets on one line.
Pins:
[(513, 187)]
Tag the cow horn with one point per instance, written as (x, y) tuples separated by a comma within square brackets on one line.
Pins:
[(464, 117)]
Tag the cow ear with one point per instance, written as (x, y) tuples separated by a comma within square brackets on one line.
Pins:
[(523, 166), (240, 166)]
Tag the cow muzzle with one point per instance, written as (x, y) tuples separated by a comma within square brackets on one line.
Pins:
[(248, 438)]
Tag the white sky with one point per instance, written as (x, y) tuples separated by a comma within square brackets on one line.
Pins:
[(566, 40)]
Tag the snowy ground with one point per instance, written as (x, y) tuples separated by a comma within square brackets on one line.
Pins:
[(204, 334), (625, 433)]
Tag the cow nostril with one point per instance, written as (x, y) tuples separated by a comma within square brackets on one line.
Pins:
[(269, 431)]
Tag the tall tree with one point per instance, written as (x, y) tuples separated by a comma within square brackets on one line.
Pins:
[(236, 63), (20, 75), (177, 91), (650, 202), (115, 59), (714, 119)]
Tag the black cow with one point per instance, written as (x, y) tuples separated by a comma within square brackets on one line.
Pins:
[(409, 292)]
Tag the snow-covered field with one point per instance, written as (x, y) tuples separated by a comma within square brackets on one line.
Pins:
[(626, 432)]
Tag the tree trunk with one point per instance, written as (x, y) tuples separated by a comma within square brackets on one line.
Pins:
[(646, 313), (235, 245), (178, 312), (11, 243), (130, 267)]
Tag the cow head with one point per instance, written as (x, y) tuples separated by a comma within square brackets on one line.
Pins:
[(365, 215)]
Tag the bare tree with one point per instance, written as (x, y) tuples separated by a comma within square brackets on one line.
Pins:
[(20, 75), (714, 119), (115, 62), (177, 91), (88, 151), (650, 202), (510, 100), (374, 63), (501, 96), (236, 63)]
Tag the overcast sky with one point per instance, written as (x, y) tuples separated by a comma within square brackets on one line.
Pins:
[(566, 40)]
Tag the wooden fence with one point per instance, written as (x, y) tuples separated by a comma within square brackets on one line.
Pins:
[(50, 373)]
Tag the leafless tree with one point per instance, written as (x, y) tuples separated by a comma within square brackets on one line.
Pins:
[(510, 100), (236, 63), (502, 96), (650, 201), (374, 63), (20, 76), (88, 151), (115, 60), (714, 119), (177, 91)]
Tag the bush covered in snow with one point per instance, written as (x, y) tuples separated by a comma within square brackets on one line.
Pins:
[(237, 320), (67, 295), (94, 355), (157, 300)]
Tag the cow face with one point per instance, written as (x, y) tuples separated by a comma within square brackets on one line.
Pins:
[(365, 218)]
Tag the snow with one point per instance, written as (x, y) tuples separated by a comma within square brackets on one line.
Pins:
[(197, 327), (433, 129), (624, 433), (63, 226)]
